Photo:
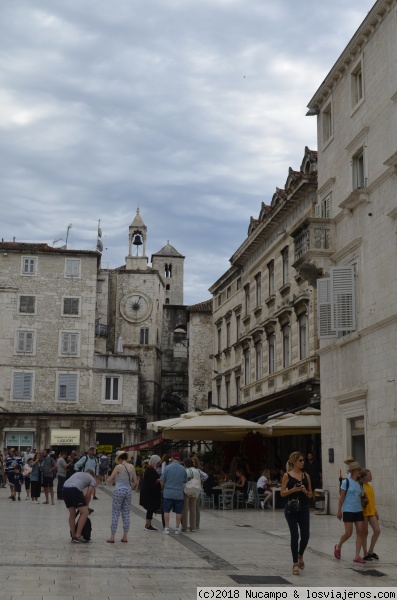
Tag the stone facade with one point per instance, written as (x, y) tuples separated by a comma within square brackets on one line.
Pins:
[(357, 164), (264, 314), (91, 355), (200, 355)]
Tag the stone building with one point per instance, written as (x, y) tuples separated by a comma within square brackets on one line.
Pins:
[(357, 164), (264, 313), (88, 355)]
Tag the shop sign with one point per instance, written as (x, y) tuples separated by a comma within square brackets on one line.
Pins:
[(65, 437)]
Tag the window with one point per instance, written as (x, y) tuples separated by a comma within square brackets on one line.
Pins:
[(258, 360), (29, 265), (258, 282), (219, 300), (71, 306), (27, 305), (25, 342), (219, 339), (270, 271), (247, 299), (238, 283), (247, 376), (271, 349), (358, 170), (238, 379), (144, 336), (218, 393), (357, 84), (99, 285), (284, 255), (168, 287), (168, 271), (22, 386), (302, 324), (327, 122), (228, 292), (228, 334), (111, 389), (336, 300), (238, 327), (73, 267), (286, 331), (67, 387), (227, 389), (324, 207), (69, 343)]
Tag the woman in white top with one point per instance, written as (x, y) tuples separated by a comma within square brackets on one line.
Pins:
[(264, 488), (122, 477)]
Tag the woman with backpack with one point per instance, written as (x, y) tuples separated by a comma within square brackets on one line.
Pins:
[(351, 511)]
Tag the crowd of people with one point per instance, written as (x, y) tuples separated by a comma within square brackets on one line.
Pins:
[(170, 484)]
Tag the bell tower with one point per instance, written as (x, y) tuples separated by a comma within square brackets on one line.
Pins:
[(137, 259)]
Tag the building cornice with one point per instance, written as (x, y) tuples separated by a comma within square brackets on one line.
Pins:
[(354, 48)]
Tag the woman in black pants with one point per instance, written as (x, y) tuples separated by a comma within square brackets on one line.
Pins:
[(150, 496), (296, 485)]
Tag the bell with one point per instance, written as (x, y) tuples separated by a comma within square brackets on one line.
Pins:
[(137, 241)]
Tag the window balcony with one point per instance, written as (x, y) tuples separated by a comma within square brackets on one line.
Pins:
[(314, 243), (101, 330)]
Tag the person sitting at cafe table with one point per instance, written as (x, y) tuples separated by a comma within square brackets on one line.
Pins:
[(242, 484)]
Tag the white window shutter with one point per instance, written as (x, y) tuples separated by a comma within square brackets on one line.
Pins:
[(317, 210), (21, 341), (343, 315), (22, 386), (324, 310), (327, 206), (65, 343), (29, 341), (73, 343)]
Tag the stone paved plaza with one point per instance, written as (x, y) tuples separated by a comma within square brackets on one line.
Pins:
[(38, 562)]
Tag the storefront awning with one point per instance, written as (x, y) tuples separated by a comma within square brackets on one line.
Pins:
[(145, 445)]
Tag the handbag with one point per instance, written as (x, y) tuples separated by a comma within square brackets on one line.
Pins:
[(293, 506), (193, 486)]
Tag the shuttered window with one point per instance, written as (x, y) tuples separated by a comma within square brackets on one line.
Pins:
[(72, 267), (324, 309), (71, 306), (69, 343), (25, 341), (67, 387), (343, 314), (22, 386), (336, 302)]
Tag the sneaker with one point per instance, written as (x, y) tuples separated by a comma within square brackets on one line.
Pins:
[(75, 540), (177, 531), (375, 556), (368, 557), (82, 540), (337, 552), (27, 498), (151, 528), (166, 531), (262, 504), (359, 560)]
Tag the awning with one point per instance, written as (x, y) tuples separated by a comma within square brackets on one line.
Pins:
[(145, 445)]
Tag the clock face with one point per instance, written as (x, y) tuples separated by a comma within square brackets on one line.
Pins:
[(136, 307)]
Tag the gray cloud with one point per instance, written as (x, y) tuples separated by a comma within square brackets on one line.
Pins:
[(192, 109)]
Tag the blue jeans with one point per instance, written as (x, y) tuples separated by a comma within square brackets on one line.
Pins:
[(299, 521)]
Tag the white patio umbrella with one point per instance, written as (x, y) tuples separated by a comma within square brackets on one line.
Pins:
[(214, 424), (160, 425), (303, 422)]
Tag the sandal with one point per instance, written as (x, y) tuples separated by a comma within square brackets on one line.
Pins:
[(295, 570), (301, 563), (110, 541)]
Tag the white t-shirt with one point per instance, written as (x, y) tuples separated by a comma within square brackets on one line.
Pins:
[(261, 483)]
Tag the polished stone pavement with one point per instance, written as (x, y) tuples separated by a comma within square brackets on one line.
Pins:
[(38, 562)]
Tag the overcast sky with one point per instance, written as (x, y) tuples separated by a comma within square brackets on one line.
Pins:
[(191, 109)]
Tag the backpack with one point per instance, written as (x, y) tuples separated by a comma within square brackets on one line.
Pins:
[(86, 531), (193, 486), (104, 462), (81, 467)]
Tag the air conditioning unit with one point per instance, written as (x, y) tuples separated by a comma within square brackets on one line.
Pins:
[(140, 409)]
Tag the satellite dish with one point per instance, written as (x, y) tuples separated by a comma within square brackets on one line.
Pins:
[(99, 246)]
